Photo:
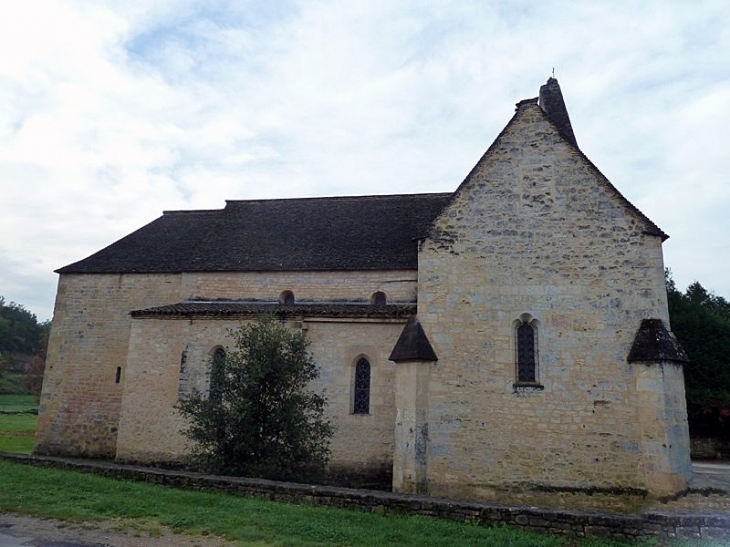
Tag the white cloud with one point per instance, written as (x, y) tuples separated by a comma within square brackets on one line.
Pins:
[(111, 113)]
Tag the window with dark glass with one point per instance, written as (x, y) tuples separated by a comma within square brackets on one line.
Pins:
[(378, 299), (286, 298), (216, 375), (361, 399), (526, 357)]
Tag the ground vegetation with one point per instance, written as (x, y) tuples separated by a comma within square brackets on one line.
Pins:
[(77, 497)]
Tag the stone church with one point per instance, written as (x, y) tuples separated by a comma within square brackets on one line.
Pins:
[(507, 338)]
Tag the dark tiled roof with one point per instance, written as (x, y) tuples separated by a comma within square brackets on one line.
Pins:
[(230, 308), (343, 233), (654, 343), (413, 344)]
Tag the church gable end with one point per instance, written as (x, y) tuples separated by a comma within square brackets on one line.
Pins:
[(536, 231), (533, 176)]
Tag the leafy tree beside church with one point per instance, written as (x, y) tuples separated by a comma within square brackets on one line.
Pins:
[(701, 322), (261, 417)]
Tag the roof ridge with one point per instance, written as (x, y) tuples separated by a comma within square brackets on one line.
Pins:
[(341, 198), (652, 228), (190, 211)]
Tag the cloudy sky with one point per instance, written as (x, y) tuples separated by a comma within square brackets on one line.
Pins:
[(111, 112)]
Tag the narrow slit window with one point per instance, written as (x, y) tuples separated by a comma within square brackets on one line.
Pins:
[(361, 399), (118, 375), (216, 375)]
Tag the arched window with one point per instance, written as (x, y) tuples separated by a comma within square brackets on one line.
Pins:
[(527, 356), (286, 298), (217, 370), (183, 380), (378, 299), (361, 391)]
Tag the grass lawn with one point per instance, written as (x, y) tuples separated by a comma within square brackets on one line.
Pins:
[(12, 383), (17, 431), (77, 496), (18, 403)]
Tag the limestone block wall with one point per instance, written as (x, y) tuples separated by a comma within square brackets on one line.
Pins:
[(398, 285), (167, 355), (662, 414), (166, 358), (84, 378), (90, 339), (536, 233), (363, 444), (410, 470)]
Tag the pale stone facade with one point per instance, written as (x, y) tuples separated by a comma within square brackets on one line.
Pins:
[(585, 272), (536, 355)]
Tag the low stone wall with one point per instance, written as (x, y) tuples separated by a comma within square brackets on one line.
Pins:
[(710, 449), (556, 521)]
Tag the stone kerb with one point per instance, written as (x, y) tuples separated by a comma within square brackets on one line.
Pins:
[(557, 521)]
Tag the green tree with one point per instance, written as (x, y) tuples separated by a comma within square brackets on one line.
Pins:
[(20, 330), (33, 376), (261, 419), (701, 323)]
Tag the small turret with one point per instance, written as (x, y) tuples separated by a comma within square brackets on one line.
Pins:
[(551, 101)]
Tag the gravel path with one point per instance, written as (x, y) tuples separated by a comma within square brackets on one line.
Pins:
[(19, 530)]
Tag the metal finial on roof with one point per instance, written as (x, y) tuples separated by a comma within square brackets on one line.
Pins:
[(553, 72)]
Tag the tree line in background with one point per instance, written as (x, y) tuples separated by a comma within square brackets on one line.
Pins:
[(701, 322), (23, 342)]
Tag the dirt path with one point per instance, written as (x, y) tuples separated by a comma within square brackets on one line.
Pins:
[(111, 533)]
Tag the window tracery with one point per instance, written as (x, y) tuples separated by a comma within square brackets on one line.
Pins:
[(361, 395)]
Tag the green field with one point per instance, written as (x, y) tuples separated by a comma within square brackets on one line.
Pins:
[(12, 383), (18, 418)]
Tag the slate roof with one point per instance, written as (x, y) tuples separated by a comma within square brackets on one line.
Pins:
[(654, 343), (413, 344), (232, 308), (340, 233)]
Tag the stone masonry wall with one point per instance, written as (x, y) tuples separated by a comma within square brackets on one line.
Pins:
[(87, 351), (362, 449), (536, 232), (662, 415), (162, 352), (710, 448), (399, 286), (90, 339)]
